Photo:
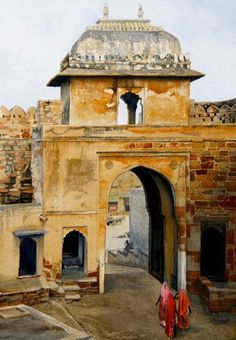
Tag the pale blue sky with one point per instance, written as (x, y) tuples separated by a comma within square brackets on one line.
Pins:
[(37, 34)]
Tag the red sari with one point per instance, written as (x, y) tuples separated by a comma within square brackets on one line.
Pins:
[(165, 291), (183, 308), (170, 316)]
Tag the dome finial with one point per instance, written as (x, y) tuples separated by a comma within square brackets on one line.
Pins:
[(140, 12), (105, 12)]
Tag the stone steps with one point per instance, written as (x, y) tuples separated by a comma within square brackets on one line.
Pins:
[(72, 292), (72, 297), (131, 257), (79, 287)]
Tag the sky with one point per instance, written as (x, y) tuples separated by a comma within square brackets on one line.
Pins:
[(37, 34)]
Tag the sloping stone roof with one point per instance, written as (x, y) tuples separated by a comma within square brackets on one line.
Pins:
[(125, 47)]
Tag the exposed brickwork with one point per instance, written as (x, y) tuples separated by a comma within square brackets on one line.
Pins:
[(217, 299), (212, 195), (15, 171), (15, 148), (26, 297)]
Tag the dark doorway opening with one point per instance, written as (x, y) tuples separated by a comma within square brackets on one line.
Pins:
[(156, 187), (213, 251), (73, 258), (152, 233), (28, 249)]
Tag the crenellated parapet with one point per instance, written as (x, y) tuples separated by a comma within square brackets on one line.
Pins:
[(213, 113), (16, 122)]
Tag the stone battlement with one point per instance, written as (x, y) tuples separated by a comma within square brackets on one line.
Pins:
[(213, 113)]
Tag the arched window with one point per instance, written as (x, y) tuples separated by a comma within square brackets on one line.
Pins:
[(130, 109), (28, 250)]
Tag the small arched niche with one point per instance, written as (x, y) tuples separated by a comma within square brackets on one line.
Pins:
[(28, 257), (130, 109), (73, 253)]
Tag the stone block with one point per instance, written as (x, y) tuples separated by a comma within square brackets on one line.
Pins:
[(209, 184), (231, 186)]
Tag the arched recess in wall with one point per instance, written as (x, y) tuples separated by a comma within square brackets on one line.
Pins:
[(28, 257), (213, 246), (161, 226), (74, 254), (130, 109)]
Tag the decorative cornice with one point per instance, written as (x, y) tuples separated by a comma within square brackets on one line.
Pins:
[(124, 25), (129, 62)]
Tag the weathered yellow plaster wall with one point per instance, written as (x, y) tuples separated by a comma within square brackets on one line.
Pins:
[(167, 102), (95, 101), (58, 226), (70, 172), (15, 218)]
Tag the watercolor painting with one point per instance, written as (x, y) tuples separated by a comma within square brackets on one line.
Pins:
[(117, 169)]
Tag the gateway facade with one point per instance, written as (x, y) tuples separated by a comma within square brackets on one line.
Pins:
[(124, 106)]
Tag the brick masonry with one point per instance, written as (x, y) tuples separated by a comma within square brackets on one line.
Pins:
[(217, 299), (15, 148)]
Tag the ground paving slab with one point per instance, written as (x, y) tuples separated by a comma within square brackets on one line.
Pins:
[(126, 311)]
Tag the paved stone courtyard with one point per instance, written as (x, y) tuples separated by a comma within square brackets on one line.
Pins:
[(127, 311)]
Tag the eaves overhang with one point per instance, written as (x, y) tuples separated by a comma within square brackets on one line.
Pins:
[(68, 73)]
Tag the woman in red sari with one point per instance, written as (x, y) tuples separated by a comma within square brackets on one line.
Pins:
[(170, 328), (162, 300), (183, 310)]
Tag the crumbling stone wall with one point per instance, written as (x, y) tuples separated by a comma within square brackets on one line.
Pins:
[(16, 126), (15, 172)]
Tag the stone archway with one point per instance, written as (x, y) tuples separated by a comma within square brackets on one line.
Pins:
[(165, 174), (160, 231)]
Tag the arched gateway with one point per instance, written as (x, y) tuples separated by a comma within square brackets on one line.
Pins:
[(124, 108), (150, 224), (163, 182)]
